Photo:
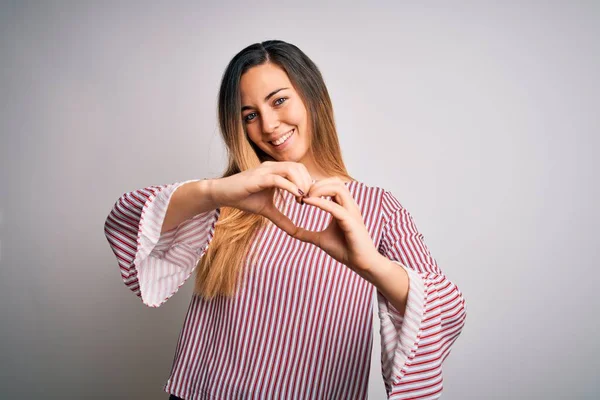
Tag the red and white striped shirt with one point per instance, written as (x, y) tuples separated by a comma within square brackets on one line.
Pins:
[(300, 327)]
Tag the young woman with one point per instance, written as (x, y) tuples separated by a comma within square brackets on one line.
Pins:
[(290, 254)]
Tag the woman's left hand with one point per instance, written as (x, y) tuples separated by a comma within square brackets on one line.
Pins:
[(346, 239)]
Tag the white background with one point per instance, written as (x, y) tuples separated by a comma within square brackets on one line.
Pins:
[(482, 119)]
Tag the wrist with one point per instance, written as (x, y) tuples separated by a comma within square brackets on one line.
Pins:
[(207, 189), (377, 268)]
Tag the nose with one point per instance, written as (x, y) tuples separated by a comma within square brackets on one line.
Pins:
[(270, 121)]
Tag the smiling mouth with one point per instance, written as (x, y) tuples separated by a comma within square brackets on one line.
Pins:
[(282, 139)]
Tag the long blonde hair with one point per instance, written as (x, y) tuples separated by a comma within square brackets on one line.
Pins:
[(219, 271)]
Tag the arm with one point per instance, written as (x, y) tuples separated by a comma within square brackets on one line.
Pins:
[(154, 262), (422, 312), (190, 199), (391, 280)]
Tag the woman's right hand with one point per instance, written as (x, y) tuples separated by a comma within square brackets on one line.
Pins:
[(253, 190)]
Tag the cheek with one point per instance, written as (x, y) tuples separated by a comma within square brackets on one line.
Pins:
[(298, 115), (253, 134)]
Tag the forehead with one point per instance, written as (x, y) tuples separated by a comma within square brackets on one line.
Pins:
[(261, 80)]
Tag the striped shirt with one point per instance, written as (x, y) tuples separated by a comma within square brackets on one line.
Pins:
[(301, 323)]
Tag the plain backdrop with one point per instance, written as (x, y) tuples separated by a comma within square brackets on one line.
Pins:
[(481, 118)]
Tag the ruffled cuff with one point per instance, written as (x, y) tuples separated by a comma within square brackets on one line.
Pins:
[(400, 334), (165, 261)]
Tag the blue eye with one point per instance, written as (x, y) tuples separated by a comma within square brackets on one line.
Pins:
[(249, 119)]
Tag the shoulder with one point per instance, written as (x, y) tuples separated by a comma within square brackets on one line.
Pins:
[(384, 198)]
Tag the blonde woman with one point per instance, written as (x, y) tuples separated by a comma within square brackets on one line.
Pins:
[(291, 255)]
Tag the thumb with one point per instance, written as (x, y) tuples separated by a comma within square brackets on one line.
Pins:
[(286, 225), (279, 219)]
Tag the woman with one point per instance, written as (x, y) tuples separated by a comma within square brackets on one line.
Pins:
[(289, 252)]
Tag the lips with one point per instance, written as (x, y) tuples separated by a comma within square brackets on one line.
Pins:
[(290, 133)]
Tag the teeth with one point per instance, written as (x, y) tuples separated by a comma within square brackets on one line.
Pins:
[(282, 139)]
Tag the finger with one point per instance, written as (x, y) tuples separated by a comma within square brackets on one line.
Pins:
[(278, 181), (338, 192), (280, 220), (290, 171), (323, 182), (301, 176), (308, 180), (307, 236), (338, 212)]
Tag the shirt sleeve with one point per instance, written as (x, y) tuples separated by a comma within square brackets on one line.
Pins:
[(414, 346), (155, 265)]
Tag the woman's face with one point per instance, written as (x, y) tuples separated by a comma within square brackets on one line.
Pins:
[(274, 115)]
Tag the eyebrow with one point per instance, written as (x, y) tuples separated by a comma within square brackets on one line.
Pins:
[(273, 93)]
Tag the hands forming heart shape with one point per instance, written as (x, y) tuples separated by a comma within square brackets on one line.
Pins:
[(346, 238)]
